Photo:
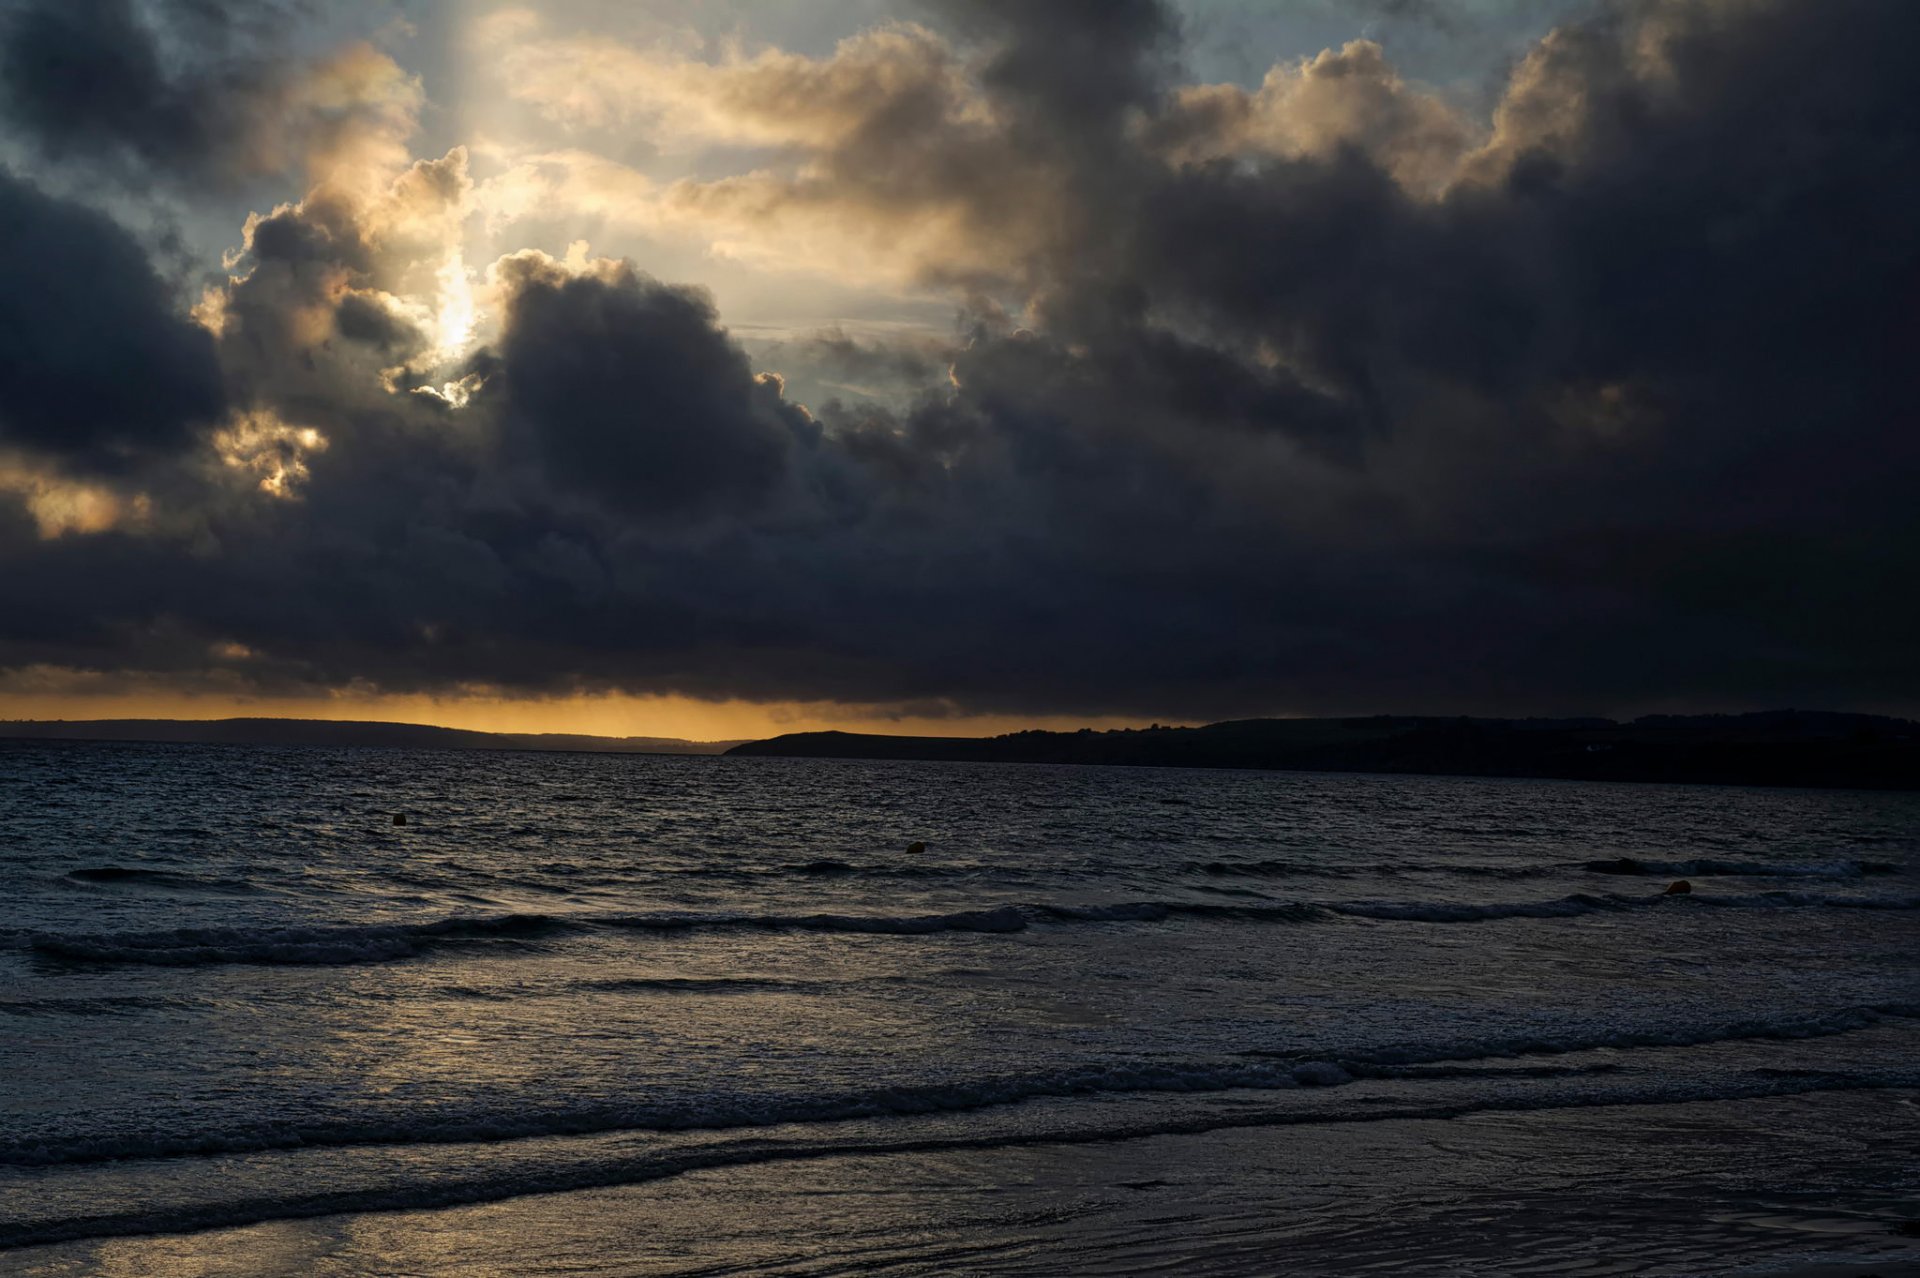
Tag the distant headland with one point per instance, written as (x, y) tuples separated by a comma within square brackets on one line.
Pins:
[(340, 733), (1776, 747), (1773, 747)]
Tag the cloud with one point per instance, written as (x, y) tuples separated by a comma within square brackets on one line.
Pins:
[(97, 370), (773, 98), (93, 79), (1320, 395), (628, 390), (1350, 98), (887, 144), (188, 93)]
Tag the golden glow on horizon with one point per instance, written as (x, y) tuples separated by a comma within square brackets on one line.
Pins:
[(605, 716)]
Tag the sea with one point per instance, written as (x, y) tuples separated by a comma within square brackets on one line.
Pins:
[(645, 1015)]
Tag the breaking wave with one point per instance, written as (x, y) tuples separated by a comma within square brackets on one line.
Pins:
[(606, 1170), (1255, 1070), (333, 944)]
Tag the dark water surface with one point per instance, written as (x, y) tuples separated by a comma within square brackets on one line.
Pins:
[(651, 1015)]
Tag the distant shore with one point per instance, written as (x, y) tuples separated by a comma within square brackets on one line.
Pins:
[(1771, 748), (340, 733)]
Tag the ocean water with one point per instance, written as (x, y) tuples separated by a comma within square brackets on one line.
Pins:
[(652, 1015)]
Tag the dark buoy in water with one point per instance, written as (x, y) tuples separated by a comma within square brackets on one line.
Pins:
[(1679, 887), (915, 849), (399, 818)]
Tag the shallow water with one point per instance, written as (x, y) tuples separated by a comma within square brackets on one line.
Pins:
[(719, 1016)]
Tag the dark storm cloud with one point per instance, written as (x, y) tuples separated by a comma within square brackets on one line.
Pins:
[(93, 80), (1618, 414), (360, 318), (96, 367), (628, 390), (1076, 64)]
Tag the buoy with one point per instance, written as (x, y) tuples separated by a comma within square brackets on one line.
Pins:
[(399, 818), (1679, 887), (915, 849)]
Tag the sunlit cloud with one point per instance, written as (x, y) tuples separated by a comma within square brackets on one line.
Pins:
[(363, 107), (271, 452), (896, 97), (573, 182), (1349, 97), (770, 99), (60, 506)]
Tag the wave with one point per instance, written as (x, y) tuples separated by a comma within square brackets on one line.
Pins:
[(613, 1170), (1795, 1028), (1798, 900), (117, 874), (1473, 912), (1253, 1070), (1697, 868), (705, 985), (1273, 869), (102, 1005), (1315, 911), (825, 865), (316, 945), (1155, 911), (1700, 868), (135, 874), (1004, 918), (721, 1111), (831, 867), (341, 944), (1573, 906), (1587, 903)]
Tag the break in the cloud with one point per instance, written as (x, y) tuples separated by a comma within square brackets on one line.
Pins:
[(1323, 392)]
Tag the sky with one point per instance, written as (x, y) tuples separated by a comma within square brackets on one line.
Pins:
[(720, 369)]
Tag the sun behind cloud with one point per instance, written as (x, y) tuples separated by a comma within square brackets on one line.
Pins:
[(971, 364)]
